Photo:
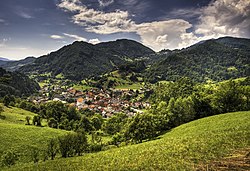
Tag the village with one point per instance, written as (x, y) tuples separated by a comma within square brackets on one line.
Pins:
[(103, 101)]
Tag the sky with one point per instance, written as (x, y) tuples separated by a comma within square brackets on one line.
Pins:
[(38, 27)]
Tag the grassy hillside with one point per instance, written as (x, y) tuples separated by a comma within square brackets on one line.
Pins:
[(21, 138), (186, 147)]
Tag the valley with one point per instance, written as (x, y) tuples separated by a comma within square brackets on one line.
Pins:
[(121, 106)]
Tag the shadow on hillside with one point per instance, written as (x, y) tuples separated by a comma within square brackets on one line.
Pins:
[(2, 117)]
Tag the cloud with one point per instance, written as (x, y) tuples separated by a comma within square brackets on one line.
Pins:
[(3, 42), (56, 37), (25, 15), (225, 18), (219, 18), (163, 34), (94, 41), (105, 3), (186, 13), (75, 37), (97, 21), (2, 20)]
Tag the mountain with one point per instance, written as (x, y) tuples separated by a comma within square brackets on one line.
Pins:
[(81, 60), (15, 65), (17, 84), (215, 59), (4, 59), (126, 48)]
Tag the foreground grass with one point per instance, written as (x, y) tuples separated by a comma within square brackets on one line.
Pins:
[(20, 138), (15, 115), (183, 148)]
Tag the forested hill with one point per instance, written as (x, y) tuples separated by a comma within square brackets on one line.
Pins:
[(215, 59), (14, 83), (81, 60), (15, 65)]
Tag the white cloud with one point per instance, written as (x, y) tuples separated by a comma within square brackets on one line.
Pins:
[(185, 13), (162, 34), (104, 3), (75, 37), (25, 15), (56, 37), (94, 41), (97, 21), (219, 18), (2, 20), (225, 18)]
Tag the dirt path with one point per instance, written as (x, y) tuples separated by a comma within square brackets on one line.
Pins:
[(238, 161)]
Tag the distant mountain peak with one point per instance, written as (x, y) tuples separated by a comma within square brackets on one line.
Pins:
[(4, 59)]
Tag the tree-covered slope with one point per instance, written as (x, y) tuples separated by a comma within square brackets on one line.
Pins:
[(81, 60), (187, 147), (126, 48), (15, 65), (216, 60), (15, 83)]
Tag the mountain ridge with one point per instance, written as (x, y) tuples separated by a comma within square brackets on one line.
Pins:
[(15, 83), (81, 59), (214, 59)]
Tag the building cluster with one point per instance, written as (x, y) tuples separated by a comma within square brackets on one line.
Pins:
[(105, 102)]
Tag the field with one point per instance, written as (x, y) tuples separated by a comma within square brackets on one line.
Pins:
[(187, 147), (21, 138)]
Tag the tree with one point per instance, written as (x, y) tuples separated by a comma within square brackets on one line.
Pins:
[(228, 97), (37, 120), (27, 118), (6, 100), (52, 148), (97, 121), (117, 139), (52, 123), (80, 143), (85, 124), (66, 145), (180, 111), (1, 108), (115, 123), (144, 127)]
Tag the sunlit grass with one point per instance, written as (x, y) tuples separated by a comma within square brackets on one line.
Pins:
[(16, 136), (183, 148)]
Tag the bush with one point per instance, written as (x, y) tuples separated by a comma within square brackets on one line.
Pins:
[(73, 144), (35, 154), (52, 149), (37, 120), (9, 158), (27, 118)]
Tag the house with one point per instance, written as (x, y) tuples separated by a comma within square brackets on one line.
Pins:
[(79, 102)]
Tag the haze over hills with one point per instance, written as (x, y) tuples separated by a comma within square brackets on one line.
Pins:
[(15, 65), (4, 59)]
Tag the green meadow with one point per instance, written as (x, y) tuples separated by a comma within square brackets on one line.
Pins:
[(186, 147), (20, 138)]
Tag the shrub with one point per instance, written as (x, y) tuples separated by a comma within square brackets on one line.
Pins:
[(9, 158)]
